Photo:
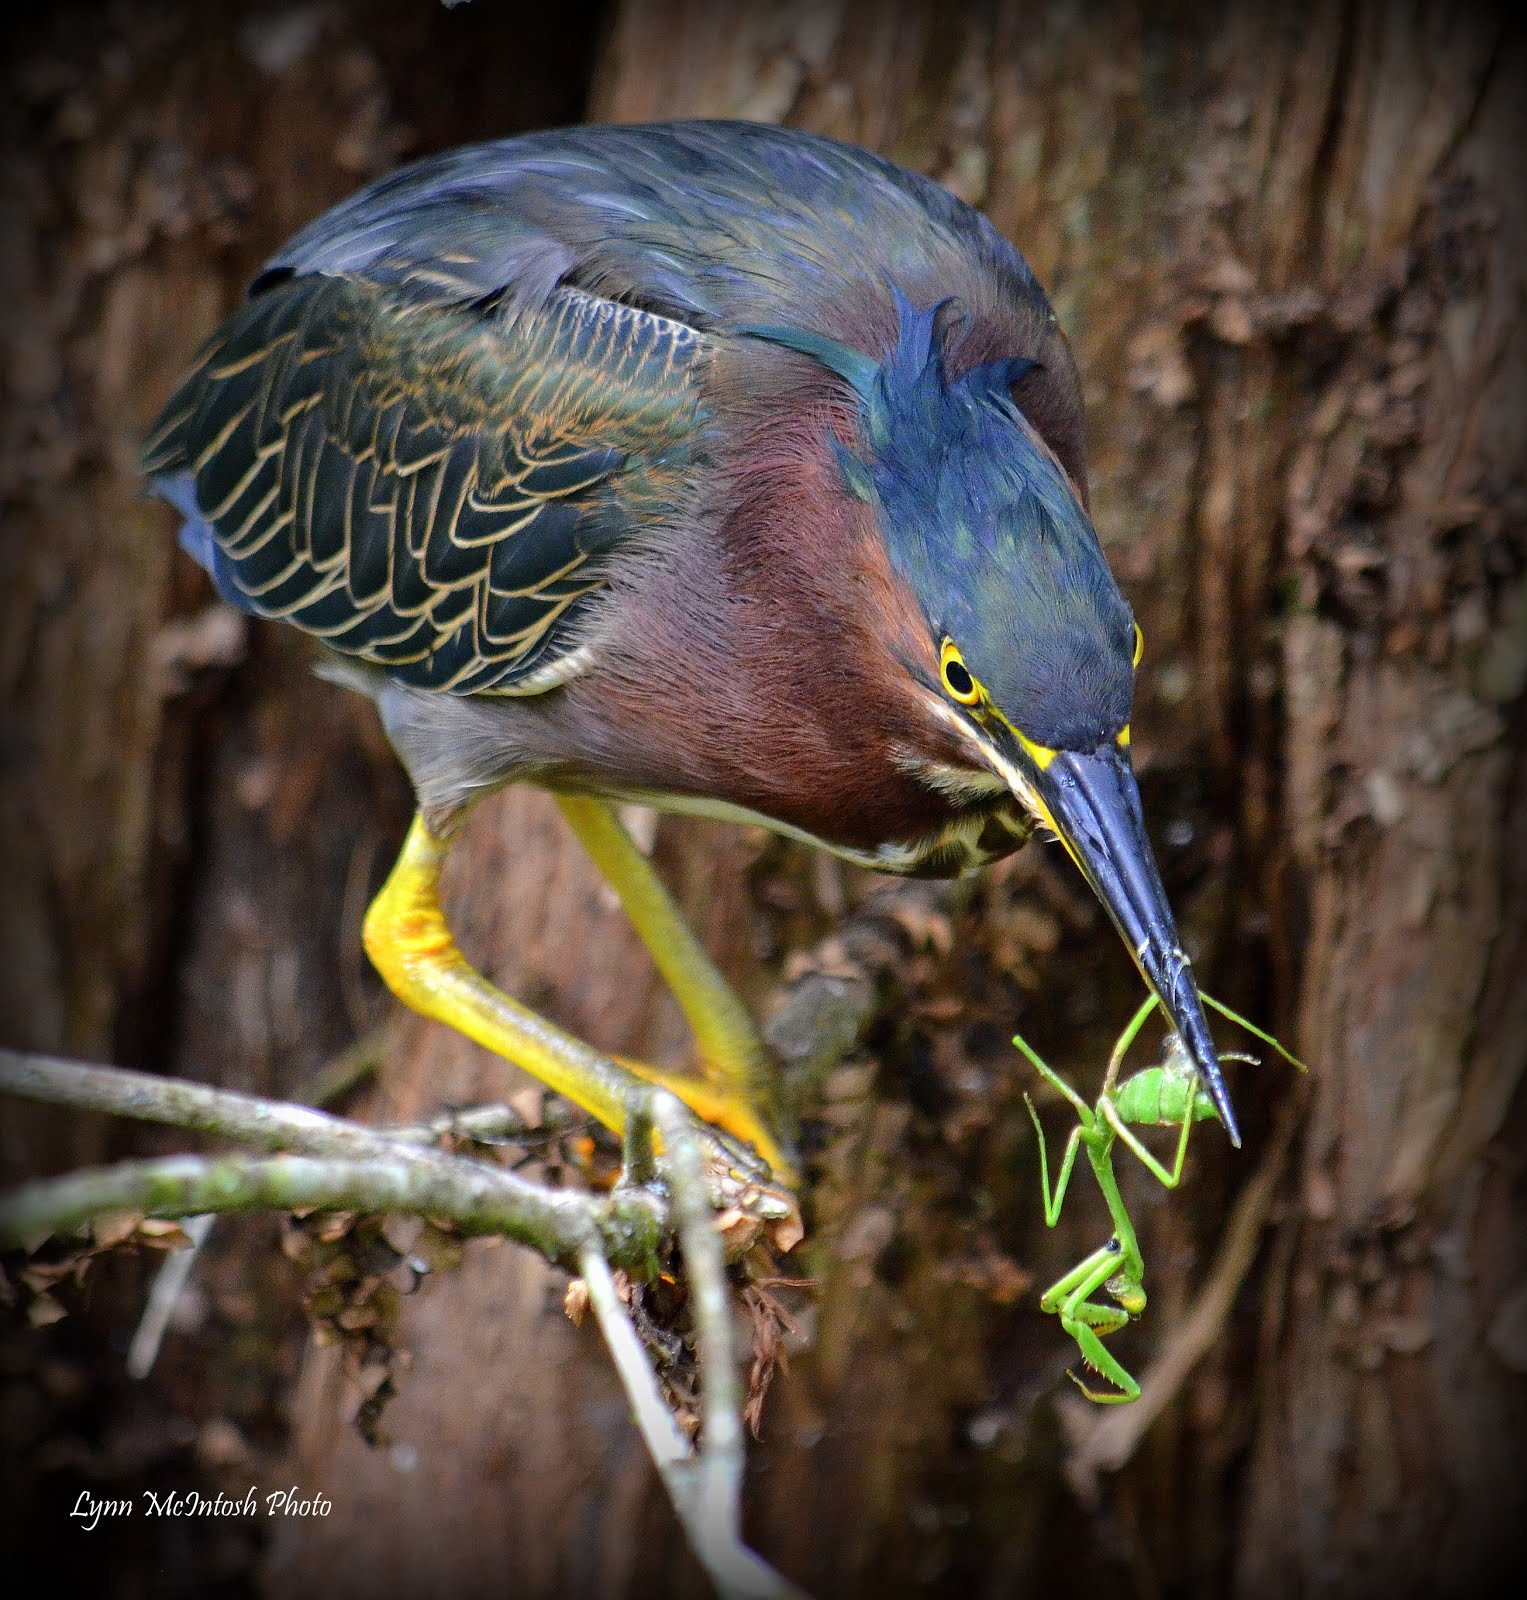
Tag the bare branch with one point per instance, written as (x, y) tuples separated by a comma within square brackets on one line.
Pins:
[(705, 1485), (245, 1118), (665, 1441), (169, 1284), (358, 1169), (489, 1124), (476, 1197), (719, 1498)]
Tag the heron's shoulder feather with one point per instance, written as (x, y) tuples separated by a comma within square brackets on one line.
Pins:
[(402, 459)]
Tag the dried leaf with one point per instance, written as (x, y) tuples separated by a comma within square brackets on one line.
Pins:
[(161, 1233), (529, 1105), (296, 1246), (115, 1227), (44, 1310), (786, 1235), (334, 1225), (40, 1276), (769, 1322), (402, 1233)]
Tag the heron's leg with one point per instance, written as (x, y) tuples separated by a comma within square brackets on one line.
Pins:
[(738, 1074), (408, 941)]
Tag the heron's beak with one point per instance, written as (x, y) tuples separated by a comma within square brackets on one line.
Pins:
[(1092, 803)]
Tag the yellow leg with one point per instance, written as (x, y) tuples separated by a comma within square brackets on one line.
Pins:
[(735, 1093), (408, 941)]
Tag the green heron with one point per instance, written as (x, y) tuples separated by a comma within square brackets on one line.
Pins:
[(717, 467)]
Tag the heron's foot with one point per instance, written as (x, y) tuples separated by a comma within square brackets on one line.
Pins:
[(747, 1196), (732, 1119), (408, 940), (748, 1204)]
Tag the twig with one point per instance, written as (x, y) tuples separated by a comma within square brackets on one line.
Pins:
[(640, 1153), (356, 1169), (477, 1198), (488, 1124), (661, 1434), (169, 1285), (719, 1497), (335, 1078), (1106, 1442), (245, 1118), (705, 1485)]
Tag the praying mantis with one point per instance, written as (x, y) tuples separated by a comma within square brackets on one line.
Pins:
[(1163, 1096)]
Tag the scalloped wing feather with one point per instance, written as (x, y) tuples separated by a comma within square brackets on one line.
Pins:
[(451, 397), (428, 484)]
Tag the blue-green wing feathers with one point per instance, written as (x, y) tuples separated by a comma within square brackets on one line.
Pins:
[(449, 401), (429, 483)]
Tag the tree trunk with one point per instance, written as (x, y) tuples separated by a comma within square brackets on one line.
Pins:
[(1289, 251), (190, 823)]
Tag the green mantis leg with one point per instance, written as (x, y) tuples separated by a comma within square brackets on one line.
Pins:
[(1129, 1265), (1087, 1321), (1167, 1179), (1126, 1039), (1119, 1268), (1054, 1198), (1251, 1028), (1083, 1110)]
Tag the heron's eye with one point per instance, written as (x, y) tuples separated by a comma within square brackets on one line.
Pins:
[(956, 675), (1139, 646)]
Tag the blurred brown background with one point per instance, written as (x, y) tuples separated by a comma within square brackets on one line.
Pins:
[(1288, 244)]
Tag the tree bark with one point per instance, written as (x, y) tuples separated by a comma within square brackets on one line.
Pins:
[(1289, 250), (190, 823)]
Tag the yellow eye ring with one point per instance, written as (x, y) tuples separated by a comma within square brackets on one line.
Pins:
[(1139, 646), (958, 682)]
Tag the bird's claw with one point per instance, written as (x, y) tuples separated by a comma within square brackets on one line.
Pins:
[(749, 1200), (742, 1189)]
